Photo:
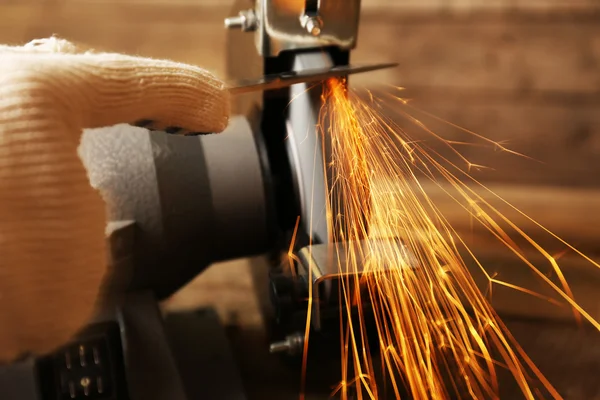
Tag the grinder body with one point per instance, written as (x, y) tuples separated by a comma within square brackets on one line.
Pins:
[(193, 201)]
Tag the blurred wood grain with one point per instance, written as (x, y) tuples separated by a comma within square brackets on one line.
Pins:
[(527, 72)]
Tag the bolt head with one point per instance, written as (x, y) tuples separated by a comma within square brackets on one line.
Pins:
[(313, 26), (245, 20)]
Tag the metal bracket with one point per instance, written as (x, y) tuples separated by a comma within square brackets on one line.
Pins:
[(299, 25), (326, 265)]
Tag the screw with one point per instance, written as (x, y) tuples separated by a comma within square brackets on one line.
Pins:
[(245, 20), (313, 25), (292, 344), (85, 383)]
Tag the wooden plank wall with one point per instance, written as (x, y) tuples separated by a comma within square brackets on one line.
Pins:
[(526, 72)]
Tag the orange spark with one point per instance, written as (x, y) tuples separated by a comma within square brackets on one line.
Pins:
[(439, 336)]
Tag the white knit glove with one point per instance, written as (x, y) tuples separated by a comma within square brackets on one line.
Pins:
[(53, 254)]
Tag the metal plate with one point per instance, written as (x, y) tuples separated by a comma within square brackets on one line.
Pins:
[(278, 81), (280, 25)]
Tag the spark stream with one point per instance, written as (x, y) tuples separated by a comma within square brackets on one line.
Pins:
[(438, 335)]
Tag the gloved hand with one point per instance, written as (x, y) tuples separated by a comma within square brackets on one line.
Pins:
[(53, 255)]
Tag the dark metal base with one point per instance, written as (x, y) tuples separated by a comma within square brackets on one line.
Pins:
[(185, 356), (203, 356), (567, 354)]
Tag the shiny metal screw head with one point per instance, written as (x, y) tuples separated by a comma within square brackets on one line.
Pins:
[(313, 25), (245, 20), (291, 345)]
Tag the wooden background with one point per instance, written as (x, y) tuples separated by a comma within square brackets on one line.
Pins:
[(526, 72), (522, 71)]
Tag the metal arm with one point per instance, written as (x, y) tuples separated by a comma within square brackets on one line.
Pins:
[(281, 26)]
